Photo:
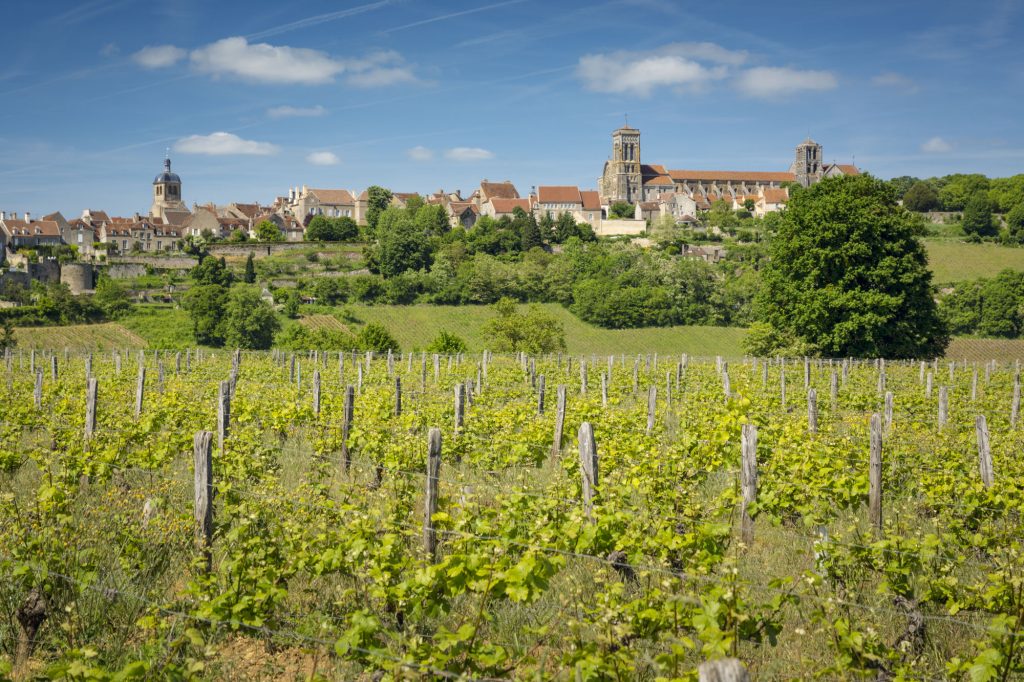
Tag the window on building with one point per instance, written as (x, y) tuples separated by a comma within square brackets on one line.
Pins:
[(159, 245)]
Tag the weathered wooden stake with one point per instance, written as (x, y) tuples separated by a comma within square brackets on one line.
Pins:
[(875, 475), (984, 451), (888, 412), (203, 501), (541, 388), (1015, 404), (928, 386), (722, 670), (556, 443), (140, 391), (316, 392), (943, 406), (37, 394), (90, 407), (588, 466), (460, 407), (346, 425), (748, 480), (652, 402), (430, 502), (812, 411), (223, 414)]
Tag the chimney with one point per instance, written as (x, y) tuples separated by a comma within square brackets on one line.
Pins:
[(28, 217), (3, 215)]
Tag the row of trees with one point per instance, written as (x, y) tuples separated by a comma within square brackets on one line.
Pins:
[(988, 307), (953, 192)]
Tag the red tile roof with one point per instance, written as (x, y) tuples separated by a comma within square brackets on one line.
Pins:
[(776, 196), (591, 200), (499, 190), (737, 176), (559, 194), (508, 205), (848, 169), (327, 196)]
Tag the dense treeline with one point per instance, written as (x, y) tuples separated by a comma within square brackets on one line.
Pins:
[(987, 307)]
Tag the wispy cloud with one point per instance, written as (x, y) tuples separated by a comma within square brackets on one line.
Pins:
[(896, 81), (468, 154), (159, 56), (676, 66), (420, 153), (223, 144), (236, 57), (318, 19), (323, 158), (87, 10), (768, 82), (936, 145), (287, 111), (452, 15), (110, 50)]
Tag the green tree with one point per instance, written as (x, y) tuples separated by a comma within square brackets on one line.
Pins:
[(921, 197), (345, 228), (238, 236), (903, 184), (447, 343), (977, 218), (530, 236), (250, 270), (320, 229), (848, 277), (621, 209), (1015, 222), (534, 331), (212, 270), (249, 322), (112, 298), (267, 231), (291, 303), (205, 306), (402, 246), (957, 189), (378, 199), (7, 339), (377, 338)]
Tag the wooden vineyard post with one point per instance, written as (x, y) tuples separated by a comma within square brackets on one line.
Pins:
[(1015, 404), (91, 391), (764, 374), (556, 443), (37, 392), (748, 480), (722, 670), (807, 373), (888, 412), (588, 467), (346, 425), (203, 501), (928, 386), (316, 392), (943, 406), (460, 407), (652, 402), (541, 387), (782, 388), (726, 388), (833, 390), (430, 503), (437, 368), (583, 377), (223, 414), (875, 475), (53, 367), (423, 373), (636, 376), (140, 391), (398, 396), (974, 384), (604, 390), (984, 451), (812, 411)]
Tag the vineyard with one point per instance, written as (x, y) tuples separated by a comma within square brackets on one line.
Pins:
[(218, 515)]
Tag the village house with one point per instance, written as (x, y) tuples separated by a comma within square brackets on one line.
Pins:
[(584, 206), (28, 233)]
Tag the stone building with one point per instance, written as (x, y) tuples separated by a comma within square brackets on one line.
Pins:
[(625, 178), (167, 203), (583, 205)]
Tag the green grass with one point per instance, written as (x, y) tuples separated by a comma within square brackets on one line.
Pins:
[(958, 261), (415, 326), (78, 337), (161, 325)]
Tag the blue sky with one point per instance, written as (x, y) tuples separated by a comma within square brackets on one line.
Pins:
[(256, 97)]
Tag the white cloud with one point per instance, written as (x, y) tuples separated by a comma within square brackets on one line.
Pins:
[(287, 111), (323, 159), (159, 56), (468, 154), (898, 81), (420, 153), (265, 63), (936, 145), (222, 144), (378, 69), (775, 81), (639, 73)]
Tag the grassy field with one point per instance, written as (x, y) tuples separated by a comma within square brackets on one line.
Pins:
[(957, 261), (79, 336), (416, 326), (162, 326)]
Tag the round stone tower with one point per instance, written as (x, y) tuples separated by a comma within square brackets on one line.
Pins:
[(78, 277)]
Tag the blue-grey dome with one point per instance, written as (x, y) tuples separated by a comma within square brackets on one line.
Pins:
[(167, 175)]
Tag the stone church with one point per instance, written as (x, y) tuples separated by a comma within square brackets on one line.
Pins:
[(626, 178)]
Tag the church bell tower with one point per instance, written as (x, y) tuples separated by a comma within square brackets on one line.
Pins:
[(622, 179), (166, 192)]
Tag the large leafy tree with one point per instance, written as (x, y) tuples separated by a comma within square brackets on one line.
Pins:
[(249, 322), (377, 199), (402, 245), (977, 218), (921, 197), (535, 331), (267, 231), (205, 306), (848, 277)]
